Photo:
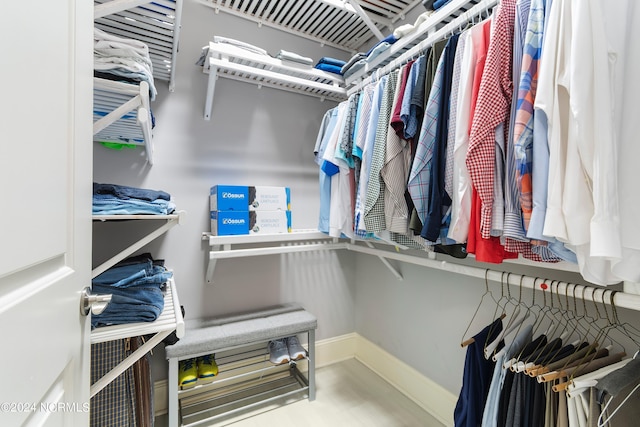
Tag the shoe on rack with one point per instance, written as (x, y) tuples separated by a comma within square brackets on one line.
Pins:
[(278, 352), (207, 367), (187, 373), (296, 351)]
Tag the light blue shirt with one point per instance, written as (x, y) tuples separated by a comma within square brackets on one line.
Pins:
[(408, 114), (329, 122)]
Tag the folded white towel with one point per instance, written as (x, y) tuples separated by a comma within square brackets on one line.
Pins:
[(237, 43), (406, 29), (291, 56)]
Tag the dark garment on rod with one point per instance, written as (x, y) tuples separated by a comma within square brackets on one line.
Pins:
[(545, 351), (476, 379), (508, 409), (503, 404), (417, 97), (433, 56), (439, 200)]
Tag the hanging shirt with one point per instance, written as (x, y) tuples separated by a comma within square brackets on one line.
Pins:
[(420, 175), (374, 217), (367, 150), (345, 147), (531, 146), (494, 99), (418, 97), (461, 181), (396, 120), (338, 221), (490, 249), (453, 114), (514, 237), (395, 171), (579, 112), (327, 127), (362, 127), (523, 126), (540, 148), (627, 109), (409, 111), (439, 200)]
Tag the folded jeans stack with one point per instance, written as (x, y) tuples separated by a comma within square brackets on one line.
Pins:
[(137, 288), (112, 199)]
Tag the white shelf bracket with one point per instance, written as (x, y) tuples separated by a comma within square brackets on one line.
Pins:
[(128, 362), (387, 264), (139, 244), (211, 87), (221, 246)]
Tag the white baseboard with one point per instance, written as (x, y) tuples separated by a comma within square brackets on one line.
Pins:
[(430, 396)]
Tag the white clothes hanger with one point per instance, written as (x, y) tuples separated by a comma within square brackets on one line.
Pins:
[(603, 422), (490, 348), (585, 381)]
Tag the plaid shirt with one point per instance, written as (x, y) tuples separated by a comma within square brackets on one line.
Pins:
[(523, 130), (374, 218), (492, 109), (419, 178)]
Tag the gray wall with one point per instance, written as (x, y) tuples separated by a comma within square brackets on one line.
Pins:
[(266, 137), (255, 137)]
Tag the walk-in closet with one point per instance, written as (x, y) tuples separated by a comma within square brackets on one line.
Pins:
[(450, 185)]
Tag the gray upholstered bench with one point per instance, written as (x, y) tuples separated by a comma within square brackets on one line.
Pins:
[(240, 344)]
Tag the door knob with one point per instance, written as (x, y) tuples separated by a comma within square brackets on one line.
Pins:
[(93, 302)]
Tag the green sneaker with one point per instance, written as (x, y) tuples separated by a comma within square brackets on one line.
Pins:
[(187, 373), (207, 367)]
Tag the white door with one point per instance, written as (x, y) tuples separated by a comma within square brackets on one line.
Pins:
[(45, 217)]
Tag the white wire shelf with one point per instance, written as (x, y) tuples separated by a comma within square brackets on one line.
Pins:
[(121, 114), (156, 23), (235, 63), (346, 25), (169, 320)]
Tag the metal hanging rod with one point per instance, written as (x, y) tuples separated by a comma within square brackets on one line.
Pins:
[(620, 299)]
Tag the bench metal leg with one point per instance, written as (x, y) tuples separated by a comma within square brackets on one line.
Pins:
[(312, 365), (173, 392)]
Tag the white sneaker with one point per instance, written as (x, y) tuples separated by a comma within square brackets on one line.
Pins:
[(278, 352), (296, 351)]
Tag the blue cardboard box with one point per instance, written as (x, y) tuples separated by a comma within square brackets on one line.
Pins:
[(249, 198), (229, 223)]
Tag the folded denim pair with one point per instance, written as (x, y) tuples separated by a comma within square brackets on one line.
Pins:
[(129, 305)]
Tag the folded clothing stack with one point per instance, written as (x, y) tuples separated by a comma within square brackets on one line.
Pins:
[(360, 59), (117, 58), (294, 57), (331, 65), (113, 199), (137, 287)]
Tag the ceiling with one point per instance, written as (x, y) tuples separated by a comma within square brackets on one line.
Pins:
[(336, 23)]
